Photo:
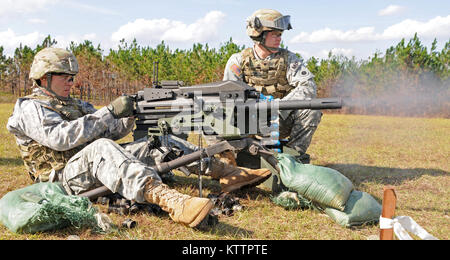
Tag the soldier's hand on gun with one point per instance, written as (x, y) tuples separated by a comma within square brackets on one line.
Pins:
[(122, 106)]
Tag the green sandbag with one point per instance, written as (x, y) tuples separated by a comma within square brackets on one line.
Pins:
[(361, 208), (323, 185), (44, 206)]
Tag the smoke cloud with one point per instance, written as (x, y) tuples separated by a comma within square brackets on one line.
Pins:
[(407, 95)]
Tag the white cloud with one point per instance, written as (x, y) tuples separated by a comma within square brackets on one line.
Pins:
[(323, 54), (336, 51), (12, 7), (10, 40), (63, 41), (329, 35), (91, 8), (37, 21), (391, 10), (156, 30), (305, 54), (436, 27), (89, 36)]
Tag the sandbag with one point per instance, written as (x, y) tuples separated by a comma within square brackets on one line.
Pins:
[(44, 206), (361, 208), (322, 185)]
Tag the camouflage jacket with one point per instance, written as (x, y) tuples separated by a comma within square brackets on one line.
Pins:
[(300, 79), (49, 131)]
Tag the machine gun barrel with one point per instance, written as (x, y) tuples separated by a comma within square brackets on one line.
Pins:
[(315, 104), (318, 103), (173, 107)]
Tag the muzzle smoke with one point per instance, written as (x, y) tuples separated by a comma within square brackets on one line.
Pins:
[(423, 96)]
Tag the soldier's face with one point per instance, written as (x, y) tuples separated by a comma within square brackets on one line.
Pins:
[(273, 39), (61, 84)]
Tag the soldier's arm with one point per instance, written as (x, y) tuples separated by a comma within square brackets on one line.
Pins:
[(232, 69), (118, 128), (300, 78), (48, 128)]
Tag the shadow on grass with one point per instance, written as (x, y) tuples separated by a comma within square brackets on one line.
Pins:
[(252, 193), (193, 181), (213, 186), (227, 230), (11, 161), (359, 174), (219, 229)]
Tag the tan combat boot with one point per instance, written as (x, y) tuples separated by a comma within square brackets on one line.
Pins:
[(233, 178), (182, 208), (227, 157)]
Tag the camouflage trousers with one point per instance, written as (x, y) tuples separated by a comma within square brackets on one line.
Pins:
[(299, 126), (124, 168)]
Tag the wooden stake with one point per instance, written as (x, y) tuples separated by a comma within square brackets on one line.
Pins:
[(388, 211)]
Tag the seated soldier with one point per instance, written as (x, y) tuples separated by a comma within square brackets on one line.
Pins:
[(65, 139)]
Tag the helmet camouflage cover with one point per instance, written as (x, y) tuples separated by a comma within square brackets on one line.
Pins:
[(53, 60), (267, 20)]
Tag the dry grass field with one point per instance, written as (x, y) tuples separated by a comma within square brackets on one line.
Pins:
[(411, 154)]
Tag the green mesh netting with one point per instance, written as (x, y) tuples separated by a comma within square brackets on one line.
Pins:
[(291, 200), (45, 206)]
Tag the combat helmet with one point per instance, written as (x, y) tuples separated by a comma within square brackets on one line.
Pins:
[(264, 20), (52, 60)]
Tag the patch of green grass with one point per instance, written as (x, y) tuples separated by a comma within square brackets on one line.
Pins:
[(412, 154)]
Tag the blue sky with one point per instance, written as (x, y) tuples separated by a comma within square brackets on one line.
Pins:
[(347, 27)]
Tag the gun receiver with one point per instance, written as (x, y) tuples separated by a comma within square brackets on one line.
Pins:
[(228, 109)]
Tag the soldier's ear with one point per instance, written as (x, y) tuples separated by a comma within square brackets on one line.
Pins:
[(42, 81)]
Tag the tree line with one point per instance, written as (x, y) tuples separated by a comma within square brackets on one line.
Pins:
[(406, 80)]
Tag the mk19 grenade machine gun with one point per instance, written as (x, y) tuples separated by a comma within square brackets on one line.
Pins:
[(238, 115), (245, 120)]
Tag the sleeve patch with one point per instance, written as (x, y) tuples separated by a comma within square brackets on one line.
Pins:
[(236, 70)]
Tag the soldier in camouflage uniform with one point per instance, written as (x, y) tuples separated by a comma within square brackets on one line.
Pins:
[(279, 73), (67, 140)]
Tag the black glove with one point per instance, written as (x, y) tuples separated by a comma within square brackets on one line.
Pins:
[(122, 106)]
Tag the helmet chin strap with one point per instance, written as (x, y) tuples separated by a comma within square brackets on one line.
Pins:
[(271, 49), (262, 42), (48, 88)]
